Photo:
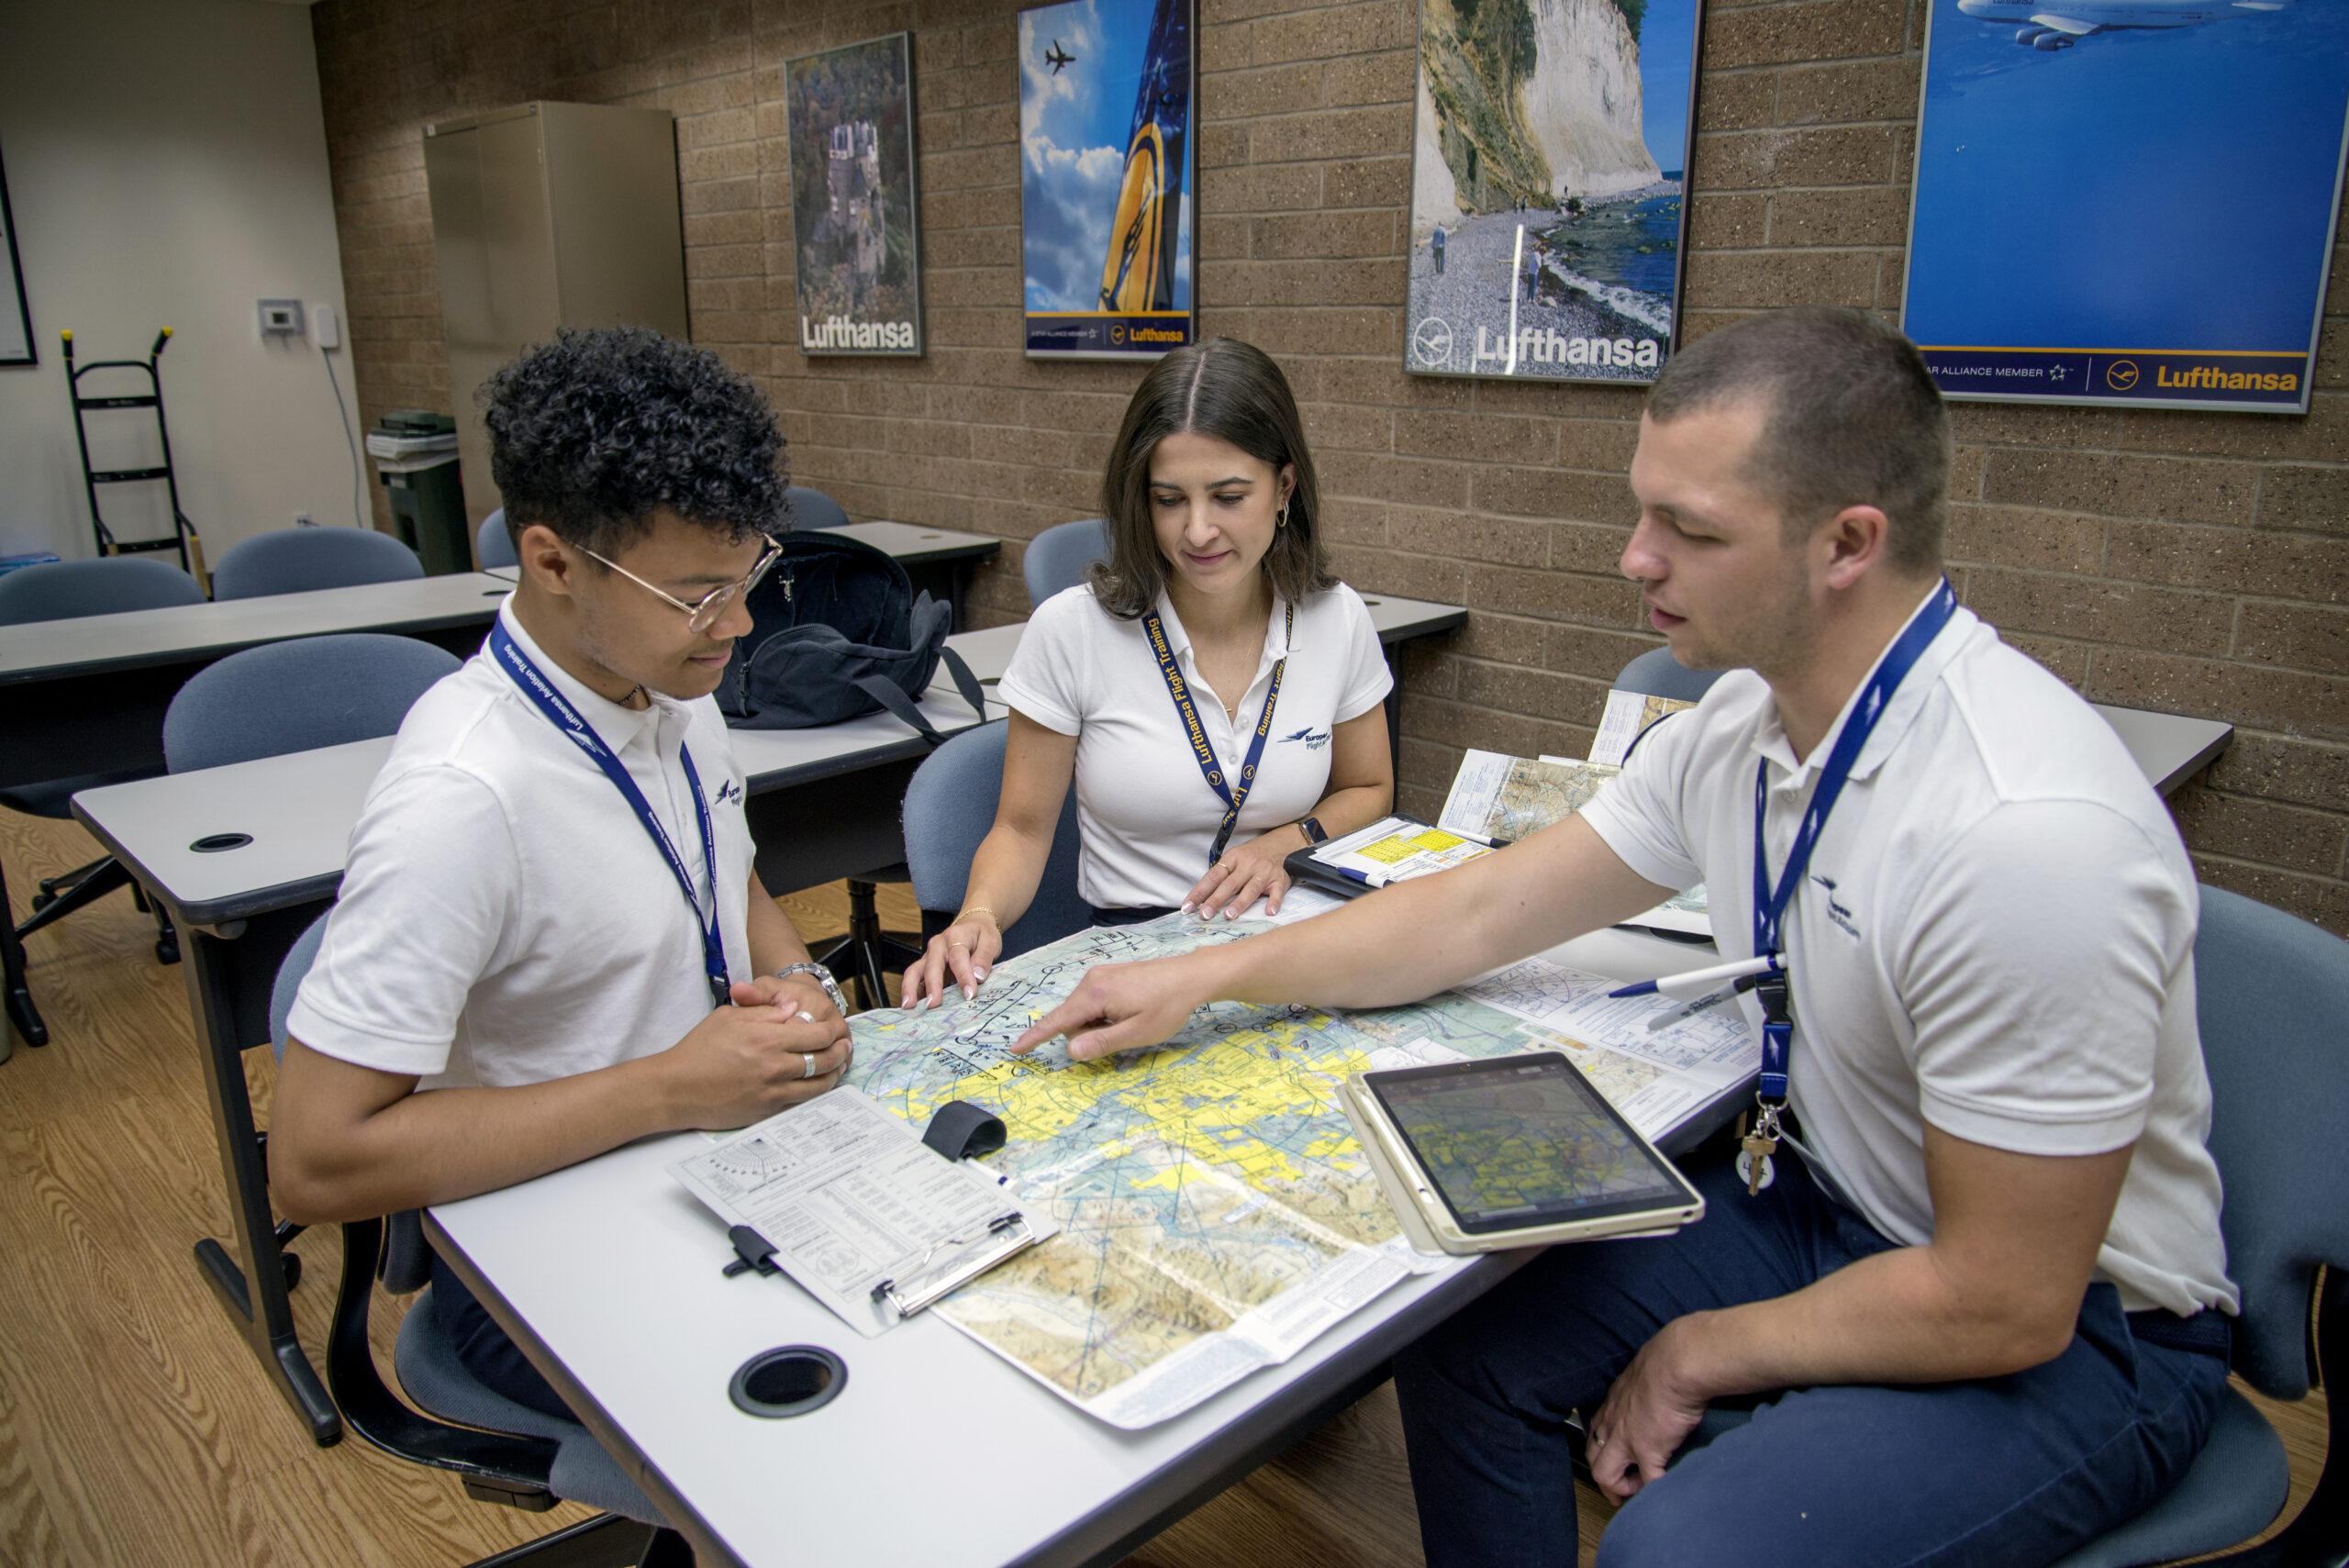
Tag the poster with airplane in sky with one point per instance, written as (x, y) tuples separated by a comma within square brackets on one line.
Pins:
[(2128, 202), (1107, 178)]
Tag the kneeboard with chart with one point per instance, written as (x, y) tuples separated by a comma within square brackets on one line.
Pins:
[(1511, 1152)]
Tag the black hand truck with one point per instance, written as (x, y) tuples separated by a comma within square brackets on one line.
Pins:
[(182, 536)]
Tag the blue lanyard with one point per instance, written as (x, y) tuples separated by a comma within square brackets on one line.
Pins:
[(566, 720), (1770, 906), (1201, 750)]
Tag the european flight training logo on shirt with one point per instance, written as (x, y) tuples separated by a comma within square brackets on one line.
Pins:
[(1314, 739), (730, 794), (1839, 913)]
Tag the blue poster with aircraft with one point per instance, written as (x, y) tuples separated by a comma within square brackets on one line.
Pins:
[(2128, 202), (1107, 212)]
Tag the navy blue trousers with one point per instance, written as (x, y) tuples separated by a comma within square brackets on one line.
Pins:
[(2017, 1470), (483, 1349)]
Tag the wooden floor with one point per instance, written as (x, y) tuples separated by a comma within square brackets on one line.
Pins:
[(135, 1429)]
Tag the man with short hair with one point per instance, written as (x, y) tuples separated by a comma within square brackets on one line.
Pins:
[(550, 938), (1980, 1293)]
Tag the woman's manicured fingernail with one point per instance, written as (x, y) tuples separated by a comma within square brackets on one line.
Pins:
[(978, 975), (1186, 907)]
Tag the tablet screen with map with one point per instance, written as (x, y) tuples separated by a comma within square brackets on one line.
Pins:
[(1519, 1141)]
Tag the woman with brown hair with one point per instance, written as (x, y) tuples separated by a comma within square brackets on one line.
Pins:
[(1215, 694)]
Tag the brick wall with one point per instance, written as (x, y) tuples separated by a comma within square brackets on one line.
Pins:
[(2191, 562)]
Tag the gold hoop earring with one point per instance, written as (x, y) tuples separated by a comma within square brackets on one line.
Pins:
[(1282, 521)]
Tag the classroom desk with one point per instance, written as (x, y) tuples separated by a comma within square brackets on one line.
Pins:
[(998, 1469), (815, 794), (87, 695), (2170, 747), (940, 561)]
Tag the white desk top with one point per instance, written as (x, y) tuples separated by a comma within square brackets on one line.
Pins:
[(45, 649), (300, 808), (912, 544), (989, 1467), (2170, 747)]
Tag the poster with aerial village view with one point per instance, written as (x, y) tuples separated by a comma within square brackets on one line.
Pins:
[(1546, 176), (856, 241), (2127, 204)]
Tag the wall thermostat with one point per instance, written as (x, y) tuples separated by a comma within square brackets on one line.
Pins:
[(281, 318)]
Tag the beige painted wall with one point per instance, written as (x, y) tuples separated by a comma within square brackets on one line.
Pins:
[(167, 166)]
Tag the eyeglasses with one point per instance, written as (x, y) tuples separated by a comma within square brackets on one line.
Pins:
[(703, 613)]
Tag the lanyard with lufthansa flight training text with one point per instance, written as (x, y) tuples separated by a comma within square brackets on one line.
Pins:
[(1201, 748), (1770, 904), (566, 720)]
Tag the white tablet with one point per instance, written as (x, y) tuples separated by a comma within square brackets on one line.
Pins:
[(1511, 1152)]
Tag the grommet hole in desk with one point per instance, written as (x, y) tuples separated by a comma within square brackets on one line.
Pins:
[(789, 1381), (213, 843)]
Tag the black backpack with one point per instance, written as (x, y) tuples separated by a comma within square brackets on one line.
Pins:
[(837, 632)]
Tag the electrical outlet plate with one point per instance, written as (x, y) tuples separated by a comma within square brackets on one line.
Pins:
[(281, 318)]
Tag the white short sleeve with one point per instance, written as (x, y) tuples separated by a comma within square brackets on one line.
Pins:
[(431, 886), (1047, 679), (1368, 680), (1642, 814), (2036, 965)]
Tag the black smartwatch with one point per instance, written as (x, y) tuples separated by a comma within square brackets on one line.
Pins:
[(1313, 833)]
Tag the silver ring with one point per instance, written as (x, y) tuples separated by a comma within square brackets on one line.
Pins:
[(808, 1071)]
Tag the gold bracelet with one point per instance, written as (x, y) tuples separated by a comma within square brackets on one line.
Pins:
[(975, 909)]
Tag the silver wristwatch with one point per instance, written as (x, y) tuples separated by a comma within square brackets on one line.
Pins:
[(823, 978)]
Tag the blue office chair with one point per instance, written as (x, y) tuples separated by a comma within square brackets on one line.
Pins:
[(297, 696), (493, 543), (814, 509), (2270, 993), (1656, 673), (505, 1452), (68, 590), (950, 805), (296, 560), (1056, 559)]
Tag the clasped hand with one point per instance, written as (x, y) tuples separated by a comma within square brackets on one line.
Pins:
[(782, 1043)]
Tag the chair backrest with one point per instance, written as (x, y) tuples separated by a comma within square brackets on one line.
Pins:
[(1056, 559), (1656, 673), (294, 561), (493, 544), (290, 970), (68, 590), (298, 695), (2271, 992), (950, 805), (814, 509)]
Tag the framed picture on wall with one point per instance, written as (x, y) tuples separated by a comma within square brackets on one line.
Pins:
[(1547, 161), (2130, 206), (1107, 171), (855, 227), (16, 316)]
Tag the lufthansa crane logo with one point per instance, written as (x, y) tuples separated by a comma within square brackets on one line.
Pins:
[(2121, 374), (1431, 342)]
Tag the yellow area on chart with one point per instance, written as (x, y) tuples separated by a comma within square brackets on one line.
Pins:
[(1390, 850), (1437, 839)]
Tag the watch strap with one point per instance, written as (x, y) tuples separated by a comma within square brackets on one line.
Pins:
[(823, 978)]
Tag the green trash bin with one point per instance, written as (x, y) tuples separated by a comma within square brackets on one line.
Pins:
[(416, 453)]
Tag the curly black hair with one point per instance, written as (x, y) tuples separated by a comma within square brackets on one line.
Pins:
[(594, 432)]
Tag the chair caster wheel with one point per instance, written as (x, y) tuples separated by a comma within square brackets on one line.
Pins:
[(166, 951), (43, 901), (291, 1266)]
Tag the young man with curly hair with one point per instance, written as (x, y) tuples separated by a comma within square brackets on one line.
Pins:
[(550, 938)]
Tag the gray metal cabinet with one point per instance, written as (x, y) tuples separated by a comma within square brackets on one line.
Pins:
[(548, 215)]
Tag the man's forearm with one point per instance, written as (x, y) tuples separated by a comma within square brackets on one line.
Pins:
[(452, 1143), (1414, 939)]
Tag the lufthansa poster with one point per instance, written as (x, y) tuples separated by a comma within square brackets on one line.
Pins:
[(856, 241), (1106, 178), (2128, 202)]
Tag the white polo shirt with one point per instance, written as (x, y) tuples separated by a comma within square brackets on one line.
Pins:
[(1995, 935), (1145, 812), (504, 917)]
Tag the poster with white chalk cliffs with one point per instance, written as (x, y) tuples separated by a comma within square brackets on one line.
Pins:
[(1547, 223)]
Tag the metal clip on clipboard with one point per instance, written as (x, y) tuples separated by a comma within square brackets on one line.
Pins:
[(1006, 1236)]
